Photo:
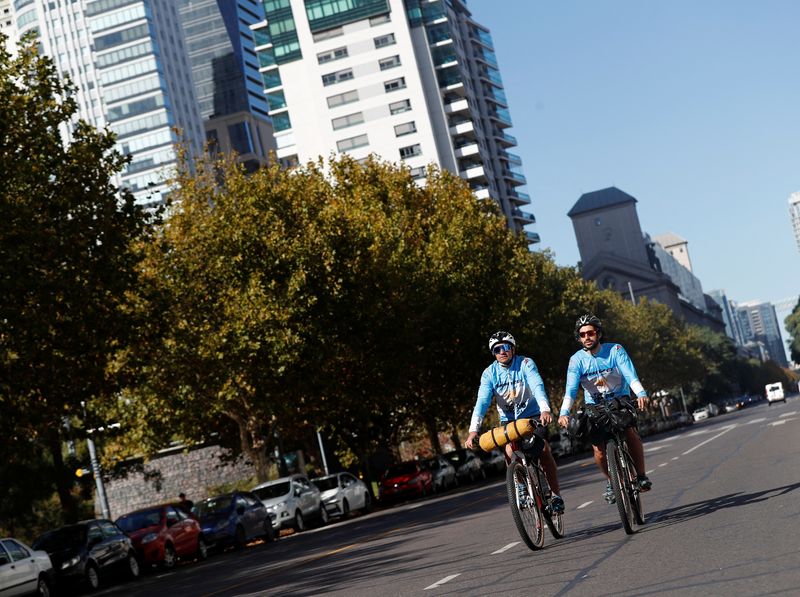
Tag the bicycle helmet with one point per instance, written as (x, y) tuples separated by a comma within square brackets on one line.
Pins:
[(588, 319), (499, 337)]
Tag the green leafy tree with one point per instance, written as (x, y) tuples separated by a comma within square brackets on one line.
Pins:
[(793, 326), (64, 260)]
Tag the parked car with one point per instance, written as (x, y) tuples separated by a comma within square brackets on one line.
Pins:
[(24, 571), (775, 393), (341, 493), (164, 534), (293, 500), (468, 466), (492, 463), (561, 444), (406, 479), (701, 413), (89, 552), (444, 473), (234, 519), (682, 418)]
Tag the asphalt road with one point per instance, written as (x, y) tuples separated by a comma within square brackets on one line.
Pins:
[(723, 519)]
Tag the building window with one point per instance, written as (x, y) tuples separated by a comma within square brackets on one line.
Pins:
[(380, 20), (384, 40), (337, 77), (349, 120), (328, 34), (400, 107), (331, 55), (352, 143), (391, 62), (340, 99), (405, 129), (394, 84), (281, 122), (417, 173), (410, 151)]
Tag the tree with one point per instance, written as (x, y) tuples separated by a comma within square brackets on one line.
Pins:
[(793, 326), (65, 265)]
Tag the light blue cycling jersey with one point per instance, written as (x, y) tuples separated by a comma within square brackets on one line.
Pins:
[(603, 376), (518, 390)]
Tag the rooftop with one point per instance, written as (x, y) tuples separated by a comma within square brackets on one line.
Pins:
[(600, 200)]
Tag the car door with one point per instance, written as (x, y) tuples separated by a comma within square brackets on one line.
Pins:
[(349, 487), (117, 542), (247, 516), (308, 503), (180, 527), (18, 573)]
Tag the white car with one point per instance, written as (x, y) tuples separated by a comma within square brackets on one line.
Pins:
[(701, 413), (292, 500), (342, 493), (24, 571), (444, 473)]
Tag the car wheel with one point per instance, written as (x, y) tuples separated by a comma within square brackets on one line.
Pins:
[(92, 577), (367, 502), (269, 532), (134, 570), (170, 557), (239, 538), (299, 523), (202, 549), (324, 518), (43, 587), (345, 509)]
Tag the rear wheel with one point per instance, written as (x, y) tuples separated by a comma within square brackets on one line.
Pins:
[(202, 549), (524, 508), (620, 483), (92, 577), (170, 557)]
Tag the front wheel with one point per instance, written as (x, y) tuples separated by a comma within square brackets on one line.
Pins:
[(620, 483), (42, 587), (92, 577), (202, 549), (299, 523), (525, 510), (134, 570)]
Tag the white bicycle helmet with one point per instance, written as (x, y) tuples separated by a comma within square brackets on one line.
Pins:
[(500, 337)]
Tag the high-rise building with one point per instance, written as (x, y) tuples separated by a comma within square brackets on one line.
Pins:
[(672, 253), (759, 322), (219, 41), (732, 326), (128, 62), (783, 309), (794, 214), (6, 22), (408, 80)]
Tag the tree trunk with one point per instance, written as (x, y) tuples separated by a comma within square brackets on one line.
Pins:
[(63, 478), (433, 434), (253, 444)]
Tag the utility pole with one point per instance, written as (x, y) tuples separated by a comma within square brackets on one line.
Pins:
[(322, 451), (96, 471)]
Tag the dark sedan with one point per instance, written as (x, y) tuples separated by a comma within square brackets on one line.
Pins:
[(88, 552), (234, 519)]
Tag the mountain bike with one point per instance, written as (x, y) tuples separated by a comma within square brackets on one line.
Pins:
[(612, 418)]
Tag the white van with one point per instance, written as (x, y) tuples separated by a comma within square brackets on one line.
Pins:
[(775, 392)]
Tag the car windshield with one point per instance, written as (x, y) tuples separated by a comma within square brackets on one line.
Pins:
[(65, 538), (404, 468), (272, 491), (215, 505), (326, 483), (136, 521)]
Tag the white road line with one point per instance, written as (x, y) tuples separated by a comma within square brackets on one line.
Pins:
[(781, 422), (584, 504), (650, 471), (721, 433), (675, 457), (789, 414), (664, 464), (654, 448), (759, 420), (441, 582), (506, 548)]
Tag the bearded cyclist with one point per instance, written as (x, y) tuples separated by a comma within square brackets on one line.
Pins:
[(605, 371), (515, 384)]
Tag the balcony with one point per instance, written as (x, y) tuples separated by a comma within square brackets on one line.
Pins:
[(523, 217), (466, 127), (504, 138), (515, 178), (481, 193), (512, 158), (473, 173), (501, 116), (518, 197), (468, 150), (454, 107), (532, 237)]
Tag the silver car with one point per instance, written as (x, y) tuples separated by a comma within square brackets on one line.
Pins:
[(24, 571), (342, 493), (444, 473), (292, 500)]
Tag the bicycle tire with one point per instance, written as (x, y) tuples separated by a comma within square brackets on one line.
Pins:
[(528, 518), (555, 522), (636, 495), (618, 482)]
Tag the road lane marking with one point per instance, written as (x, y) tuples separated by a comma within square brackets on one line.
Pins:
[(650, 471), (654, 448), (721, 433), (664, 464), (441, 582), (781, 422), (759, 420), (675, 457), (506, 548), (584, 504), (789, 414)]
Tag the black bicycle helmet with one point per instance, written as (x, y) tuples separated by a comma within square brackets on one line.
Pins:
[(588, 319), (499, 337)]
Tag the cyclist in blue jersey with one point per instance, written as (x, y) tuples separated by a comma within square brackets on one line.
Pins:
[(515, 384), (605, 371)]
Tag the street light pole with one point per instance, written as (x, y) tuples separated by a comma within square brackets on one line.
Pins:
[(98, 476), (322, 451)]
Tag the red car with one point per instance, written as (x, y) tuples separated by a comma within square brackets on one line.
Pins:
[(163, 534), (407, 479)]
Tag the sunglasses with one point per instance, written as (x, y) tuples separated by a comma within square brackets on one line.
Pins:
[(502, 348), (587, 334)]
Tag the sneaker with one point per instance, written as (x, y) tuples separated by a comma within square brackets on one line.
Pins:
[(556, 505), (644, 483), (609, 494)]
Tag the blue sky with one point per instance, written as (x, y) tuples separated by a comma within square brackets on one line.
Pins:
[(692, 107)]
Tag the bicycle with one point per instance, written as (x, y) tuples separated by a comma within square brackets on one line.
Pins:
[(610, 418), (530, 507)]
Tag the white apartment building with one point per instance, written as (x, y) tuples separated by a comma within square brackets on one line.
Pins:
[(794, 214), (128, 62), (415, 81)]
